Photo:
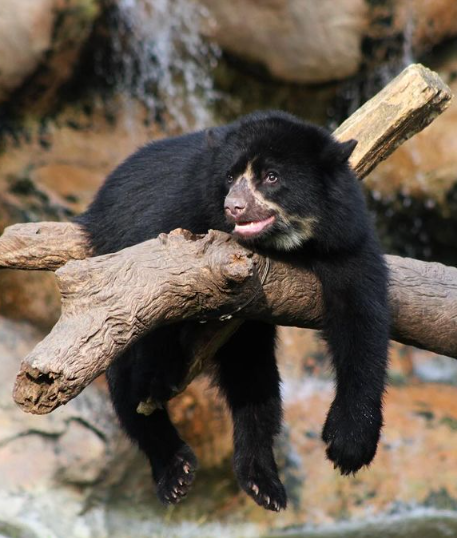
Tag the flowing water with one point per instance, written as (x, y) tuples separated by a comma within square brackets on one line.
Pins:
[(163, 61)]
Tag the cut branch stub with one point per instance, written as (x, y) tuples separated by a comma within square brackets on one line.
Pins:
[(42, 245)]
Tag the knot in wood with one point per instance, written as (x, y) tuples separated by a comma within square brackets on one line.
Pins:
[(237, 267)]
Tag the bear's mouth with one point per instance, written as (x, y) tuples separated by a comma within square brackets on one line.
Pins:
[(253, 227)]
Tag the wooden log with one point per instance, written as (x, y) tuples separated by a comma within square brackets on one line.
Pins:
[(108, 302)]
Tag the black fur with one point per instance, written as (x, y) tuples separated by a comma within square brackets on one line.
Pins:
[(183, 182)]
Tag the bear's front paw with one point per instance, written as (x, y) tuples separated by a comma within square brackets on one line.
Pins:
[(351, 433)]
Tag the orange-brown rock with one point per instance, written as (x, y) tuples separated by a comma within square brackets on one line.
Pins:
[(414, 461), (297, 41), (313, 42), (77, 454), (25, 36), (427, 22)]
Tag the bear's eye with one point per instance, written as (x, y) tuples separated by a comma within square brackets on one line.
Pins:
[(271, 177), (229, 178)]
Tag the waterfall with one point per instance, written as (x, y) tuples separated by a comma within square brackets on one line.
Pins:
[(162, 60)]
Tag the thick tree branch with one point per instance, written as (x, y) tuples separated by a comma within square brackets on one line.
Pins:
[(110, 301)]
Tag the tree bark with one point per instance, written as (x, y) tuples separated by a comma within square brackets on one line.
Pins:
[(110, 301)]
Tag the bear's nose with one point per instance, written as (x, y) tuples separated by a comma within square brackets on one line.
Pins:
[(234, 206)]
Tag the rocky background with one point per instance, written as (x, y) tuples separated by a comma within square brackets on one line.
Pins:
[(85, 82)]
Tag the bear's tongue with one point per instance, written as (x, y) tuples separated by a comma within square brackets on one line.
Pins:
[(253, 227)]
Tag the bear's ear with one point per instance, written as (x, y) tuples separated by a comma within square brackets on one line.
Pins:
[(335, 153), (213, 137), (346, 149)]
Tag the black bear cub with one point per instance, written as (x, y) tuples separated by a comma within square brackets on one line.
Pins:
[(284, 187)]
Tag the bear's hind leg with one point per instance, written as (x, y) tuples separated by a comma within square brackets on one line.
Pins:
[(172, 460), (247, 374)]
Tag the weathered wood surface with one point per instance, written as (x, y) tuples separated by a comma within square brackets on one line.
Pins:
[(423, 302), (110, 301), (42, 245), (403, 108)]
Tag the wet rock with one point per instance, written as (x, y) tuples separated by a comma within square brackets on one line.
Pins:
[(427, 23), (400, 31)]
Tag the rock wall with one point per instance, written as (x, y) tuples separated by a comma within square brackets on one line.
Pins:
[(306, 41), (300, 41), (76, 463), (42, 41)]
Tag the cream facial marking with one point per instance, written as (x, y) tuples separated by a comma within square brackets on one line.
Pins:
[(296, 232), (249, 176), (306, 225)]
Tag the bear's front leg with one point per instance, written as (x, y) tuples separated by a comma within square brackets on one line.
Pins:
[(356, 327)]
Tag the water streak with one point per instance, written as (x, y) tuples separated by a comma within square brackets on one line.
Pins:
[(163, 60)]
